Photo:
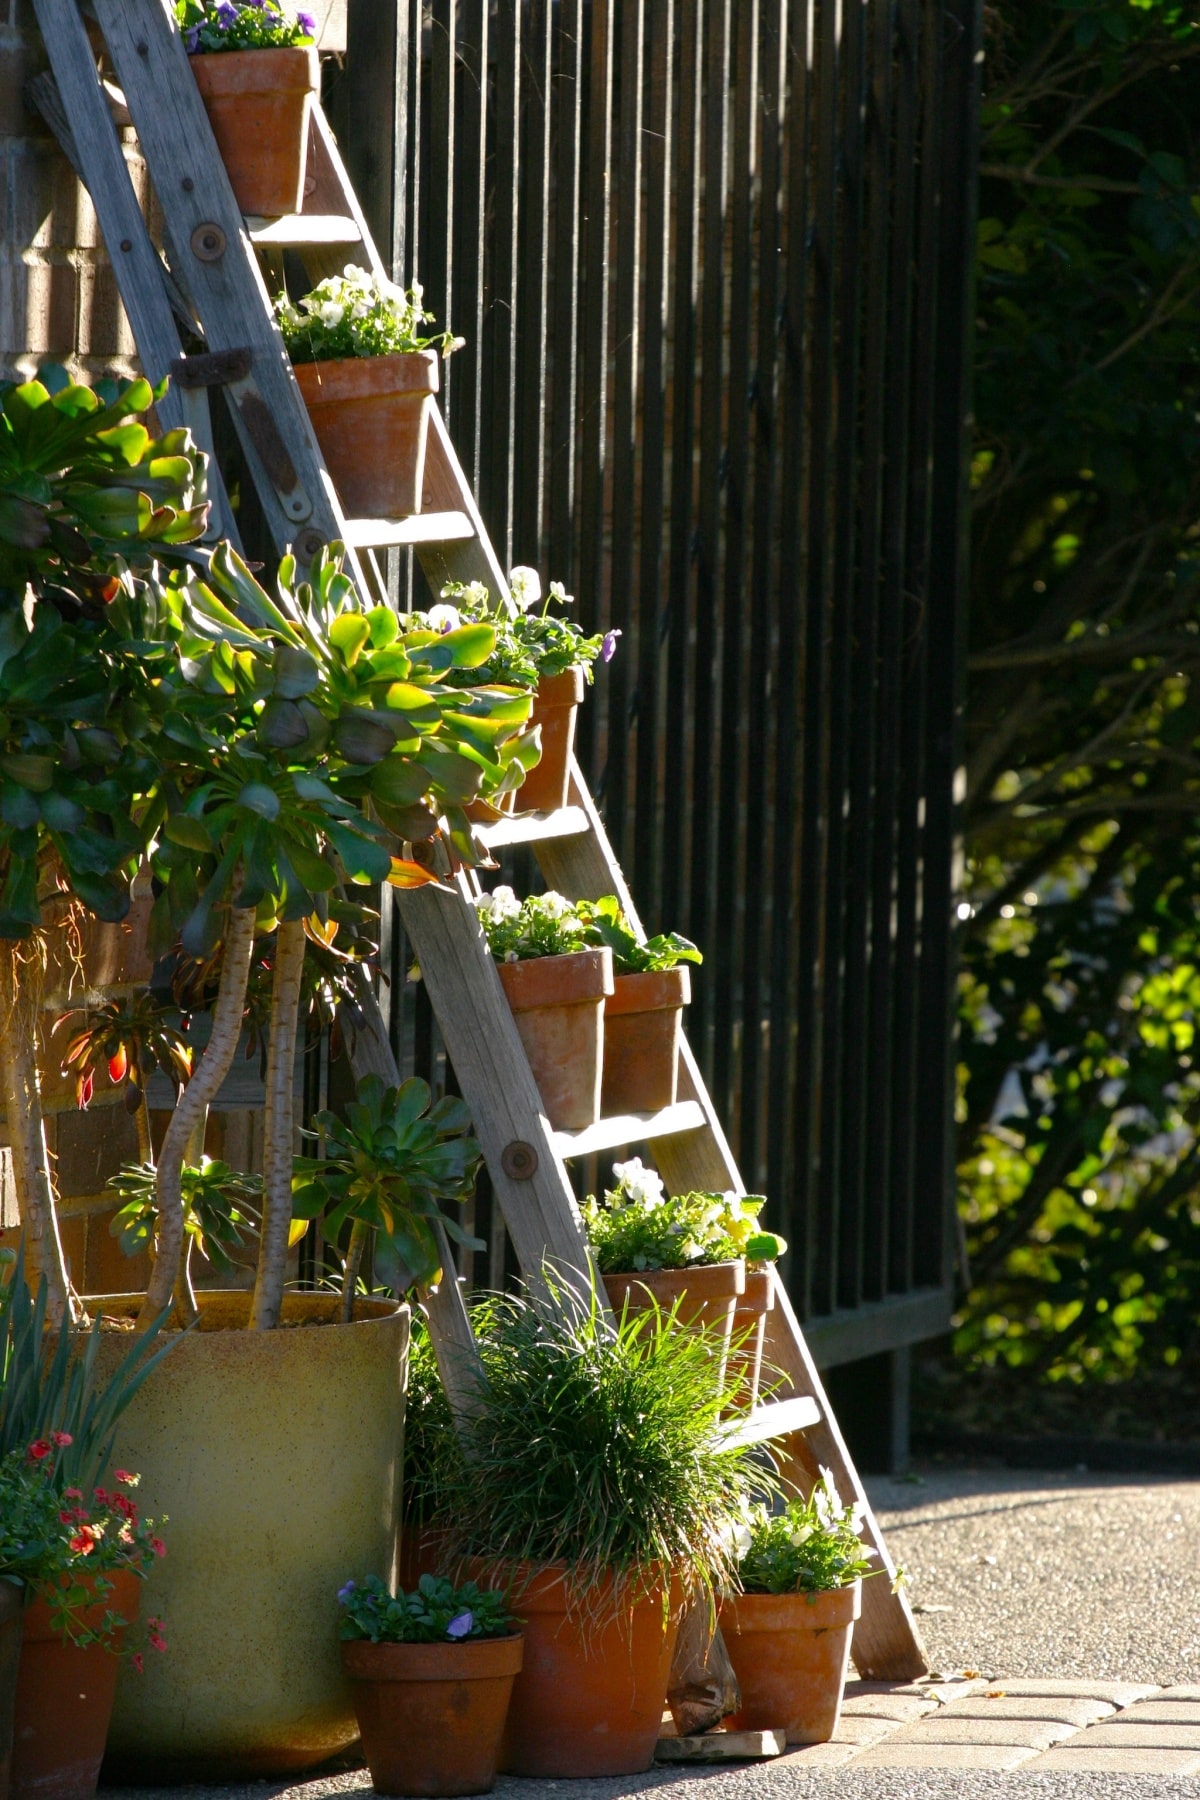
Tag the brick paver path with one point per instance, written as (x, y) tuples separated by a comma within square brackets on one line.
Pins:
[(968, 1723)]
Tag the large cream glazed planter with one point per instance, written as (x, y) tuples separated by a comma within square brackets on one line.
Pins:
[(276, 1458)]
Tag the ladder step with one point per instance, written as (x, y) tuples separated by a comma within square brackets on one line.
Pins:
[(300, 230), (534, 827), (420, 528), (630, 1128), (775, 1418)]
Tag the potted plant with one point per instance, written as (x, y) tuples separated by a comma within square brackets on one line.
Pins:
[(551, 655), (684, 1254), (72, 1550), (257, 70), (643, 1016), (596, 1487), (442, 1655), (368, 374), (788, 1631), (556, 984)]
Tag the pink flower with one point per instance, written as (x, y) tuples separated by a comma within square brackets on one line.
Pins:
[(61, 1439), (72, 1493), (158, 1547), (125, 1478), (137, 1660)]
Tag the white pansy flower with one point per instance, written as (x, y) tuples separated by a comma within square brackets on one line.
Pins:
[(359, 310), (443, 618), (558, 592), (801, 1535), (742, 1537), (332, 312), (503, 904), (641, 1185), (526, 586), (553, 906)]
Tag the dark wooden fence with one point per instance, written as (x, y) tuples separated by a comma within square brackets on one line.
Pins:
[(711, 261)]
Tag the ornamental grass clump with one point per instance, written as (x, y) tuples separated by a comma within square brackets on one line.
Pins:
[(810, 1547), (357, 313), (434, 1612), (599, 1447), (638, 1225)]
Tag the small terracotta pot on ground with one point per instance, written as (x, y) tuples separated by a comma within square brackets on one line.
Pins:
[(65, 1699), (546, 786), (707, 1296), (750, 1325), (371, 417), (590, 1696), (12, 1602), (643, 1021), (259, 103), (558, 1004), (432, 1715), (790, 1653)]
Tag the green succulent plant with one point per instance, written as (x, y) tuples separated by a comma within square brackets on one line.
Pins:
[(392, 1165)]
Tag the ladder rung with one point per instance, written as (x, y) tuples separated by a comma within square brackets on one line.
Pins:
[(775, 1418), (534, 827), (296, 230), (420, 528), (630, 1128)]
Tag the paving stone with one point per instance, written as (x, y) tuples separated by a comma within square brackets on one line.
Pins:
[(1145, 1737), (944, 1756), (1166, 1712), (902, 1708), (1117, 1693), (1078, 1759), (944, 1728), (859, 1728), (818, 1756), (1069, 1710)]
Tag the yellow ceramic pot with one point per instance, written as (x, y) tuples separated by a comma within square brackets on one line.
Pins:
[(276, 1458)]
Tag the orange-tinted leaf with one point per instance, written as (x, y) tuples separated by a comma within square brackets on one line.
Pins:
[(406, 874)]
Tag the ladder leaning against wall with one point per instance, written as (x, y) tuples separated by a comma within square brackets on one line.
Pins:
[(212, 282)]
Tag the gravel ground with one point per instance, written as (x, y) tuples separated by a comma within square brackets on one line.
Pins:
[(1074, 1576), (1015, 1574)]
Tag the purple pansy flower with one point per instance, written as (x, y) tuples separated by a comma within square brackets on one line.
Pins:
[(307, 23), (461, 1625), (226, 14), (609, 645), (192, 40), (344, 1593)]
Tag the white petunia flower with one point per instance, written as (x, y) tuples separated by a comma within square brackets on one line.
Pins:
[(526, 586)]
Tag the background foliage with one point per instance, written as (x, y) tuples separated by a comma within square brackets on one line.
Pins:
[(1080, 1080)]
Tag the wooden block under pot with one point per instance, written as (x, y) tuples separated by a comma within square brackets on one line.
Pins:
[(643, 1024), (558, 1005)]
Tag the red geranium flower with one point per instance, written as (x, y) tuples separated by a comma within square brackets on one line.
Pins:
[(38, 1451)]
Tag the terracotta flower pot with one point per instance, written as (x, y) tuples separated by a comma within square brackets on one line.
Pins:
[(258, 104), (590, 1696), (432, 1715), (790, 1653), (558, 1004), (545, 787), (707, 1293), (65, 1700), (12, 1602), (643, 1022), (371, 417), (750, 1324)]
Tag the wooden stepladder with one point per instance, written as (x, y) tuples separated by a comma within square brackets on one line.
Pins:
[(213, 284)]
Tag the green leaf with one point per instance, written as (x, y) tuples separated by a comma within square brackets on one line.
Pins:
[(257, 798), (470, 645), (348, 633)]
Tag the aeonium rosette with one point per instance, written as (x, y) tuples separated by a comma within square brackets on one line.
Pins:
[(67, 1547)]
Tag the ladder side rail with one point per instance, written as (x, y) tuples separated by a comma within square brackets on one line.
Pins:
[(214, 263), (886, 1639), (529, 1179), (73, 103), (454, 1343)]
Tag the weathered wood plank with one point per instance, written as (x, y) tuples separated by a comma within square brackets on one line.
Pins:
[(482, 1042), (73, 104), (214, 262)]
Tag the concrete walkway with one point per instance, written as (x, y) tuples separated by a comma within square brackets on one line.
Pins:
[(1063, 1617)]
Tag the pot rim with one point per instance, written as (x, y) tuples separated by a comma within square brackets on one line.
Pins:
[(434, 1662), (759, 1296), (243, 62), (708, 1281), (335, 380), (822, 1611), (568, 980), (565, 689), (650, 990), (374, 1312)]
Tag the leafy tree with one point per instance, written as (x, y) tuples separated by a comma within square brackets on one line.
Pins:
[(1080, 1102)]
